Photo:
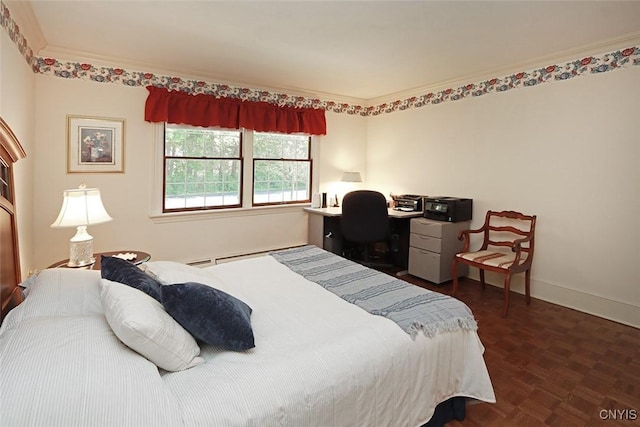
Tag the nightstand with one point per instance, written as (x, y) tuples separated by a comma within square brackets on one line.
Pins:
[(140, 258)]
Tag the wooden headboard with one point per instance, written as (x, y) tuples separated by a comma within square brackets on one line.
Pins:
[(10, 152)]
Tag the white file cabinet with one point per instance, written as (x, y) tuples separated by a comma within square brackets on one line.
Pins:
[(432, 246)]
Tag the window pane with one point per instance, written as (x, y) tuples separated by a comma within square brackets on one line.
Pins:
[(280, 146), (183, 141), (175, 170), (281, 181), (230, 143), (201, 183), (174, 196), (173, 142), (222, 144), (195, 170), (194, 144)]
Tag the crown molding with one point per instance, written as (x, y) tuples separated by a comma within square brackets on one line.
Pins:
[(107, 61), (557, 58)]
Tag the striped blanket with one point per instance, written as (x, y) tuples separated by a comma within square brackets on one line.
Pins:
[(414, 309)]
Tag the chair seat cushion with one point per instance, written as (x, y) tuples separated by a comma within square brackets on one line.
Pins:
[(493, 258)]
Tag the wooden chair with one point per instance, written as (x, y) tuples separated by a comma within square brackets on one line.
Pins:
[(502, 231)]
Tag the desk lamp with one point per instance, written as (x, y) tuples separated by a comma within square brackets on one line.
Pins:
[(81, 207), (349, 176)]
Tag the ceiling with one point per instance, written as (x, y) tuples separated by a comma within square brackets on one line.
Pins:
[(356, 49)]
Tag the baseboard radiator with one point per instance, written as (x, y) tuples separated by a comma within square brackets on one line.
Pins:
[(207, 262)]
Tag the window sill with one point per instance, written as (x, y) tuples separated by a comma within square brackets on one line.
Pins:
[(160, 218)]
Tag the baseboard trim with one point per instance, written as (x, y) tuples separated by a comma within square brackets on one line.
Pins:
[(245, 255), (617, 311)]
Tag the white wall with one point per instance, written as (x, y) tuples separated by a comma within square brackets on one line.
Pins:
[(126, 196), (567, 152), (343, 149), (17, 83)]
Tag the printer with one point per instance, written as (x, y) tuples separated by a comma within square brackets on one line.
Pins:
[(451, 209), (408, 202)]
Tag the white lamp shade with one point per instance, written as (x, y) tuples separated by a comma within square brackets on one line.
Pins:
[(351, 177), (81, 206)]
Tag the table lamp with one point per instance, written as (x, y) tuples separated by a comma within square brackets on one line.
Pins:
[(81, 207), (350, 177)]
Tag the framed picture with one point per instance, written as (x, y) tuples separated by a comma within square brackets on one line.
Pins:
[(95, 145)]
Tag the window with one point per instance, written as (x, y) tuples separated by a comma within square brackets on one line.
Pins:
[(202, 168), (281, 168)]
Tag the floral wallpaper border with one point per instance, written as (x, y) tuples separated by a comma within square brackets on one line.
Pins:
[(14, 33), (555, 72)]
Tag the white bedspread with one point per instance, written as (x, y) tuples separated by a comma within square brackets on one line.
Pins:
[(318, 360), (62, 366)]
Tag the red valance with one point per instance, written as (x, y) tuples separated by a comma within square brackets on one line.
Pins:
[(206, 110)]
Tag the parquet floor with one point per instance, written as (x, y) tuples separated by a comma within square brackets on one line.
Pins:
[(551, 365)]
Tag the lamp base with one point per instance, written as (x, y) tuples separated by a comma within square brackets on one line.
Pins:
[(81, 249)]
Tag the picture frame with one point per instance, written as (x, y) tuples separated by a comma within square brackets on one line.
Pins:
[(95, 144)]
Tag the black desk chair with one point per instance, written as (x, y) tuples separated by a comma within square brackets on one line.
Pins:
[(363, 224)]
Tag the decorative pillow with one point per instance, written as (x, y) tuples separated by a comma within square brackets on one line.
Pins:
[(143, 325), (210, 315), (119, 270)]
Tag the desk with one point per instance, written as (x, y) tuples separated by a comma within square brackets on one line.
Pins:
[(324, 231)]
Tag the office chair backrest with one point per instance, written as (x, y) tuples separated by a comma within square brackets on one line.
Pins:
[(365, 218)]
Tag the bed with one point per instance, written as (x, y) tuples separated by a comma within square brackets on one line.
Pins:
[(317, 360), (299, 337)]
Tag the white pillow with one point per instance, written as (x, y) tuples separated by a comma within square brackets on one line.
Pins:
[(171, 272), (142, 324)]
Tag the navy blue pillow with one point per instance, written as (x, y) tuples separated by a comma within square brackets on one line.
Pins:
[(210, 315), (120, 270)]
